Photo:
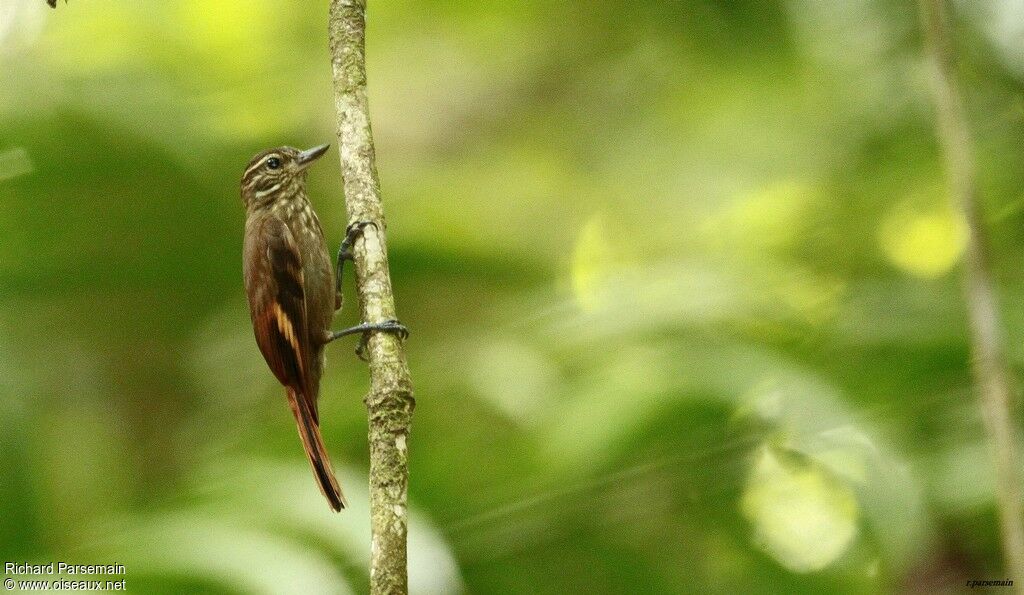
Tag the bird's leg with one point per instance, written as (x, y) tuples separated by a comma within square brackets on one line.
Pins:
[(388, 326), (345, 250)]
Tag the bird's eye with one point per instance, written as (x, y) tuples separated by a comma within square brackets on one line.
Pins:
[(274, 163)]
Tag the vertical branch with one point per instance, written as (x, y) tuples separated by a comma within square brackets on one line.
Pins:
[(390, 401), (990, 368)]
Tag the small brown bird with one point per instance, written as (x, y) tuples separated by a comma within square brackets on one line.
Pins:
[(293, 290)]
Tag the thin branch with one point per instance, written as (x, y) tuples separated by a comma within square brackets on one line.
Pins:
[(390, 401), (990, 370)]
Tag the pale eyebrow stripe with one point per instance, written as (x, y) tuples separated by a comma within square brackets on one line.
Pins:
[(259, 163)]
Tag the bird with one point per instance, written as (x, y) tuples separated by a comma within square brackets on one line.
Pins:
[(294, 289)]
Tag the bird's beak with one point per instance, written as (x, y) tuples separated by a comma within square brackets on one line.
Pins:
[(307, 157)]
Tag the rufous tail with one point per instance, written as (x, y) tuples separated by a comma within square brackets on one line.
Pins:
[(309, 432)]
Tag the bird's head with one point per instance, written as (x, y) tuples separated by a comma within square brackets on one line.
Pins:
[(276, 173)]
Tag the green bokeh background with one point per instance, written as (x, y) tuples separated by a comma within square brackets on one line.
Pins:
[(681, 276)]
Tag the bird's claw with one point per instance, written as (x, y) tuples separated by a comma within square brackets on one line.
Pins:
[(352, 232), (388, 326)]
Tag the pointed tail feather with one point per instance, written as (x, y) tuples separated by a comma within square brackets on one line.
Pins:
[(309, 432)]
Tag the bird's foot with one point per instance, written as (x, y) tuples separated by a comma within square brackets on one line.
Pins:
[(353, 231), (388, 326)]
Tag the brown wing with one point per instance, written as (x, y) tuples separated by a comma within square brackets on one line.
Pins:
[(277, 300), (275, 285)]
